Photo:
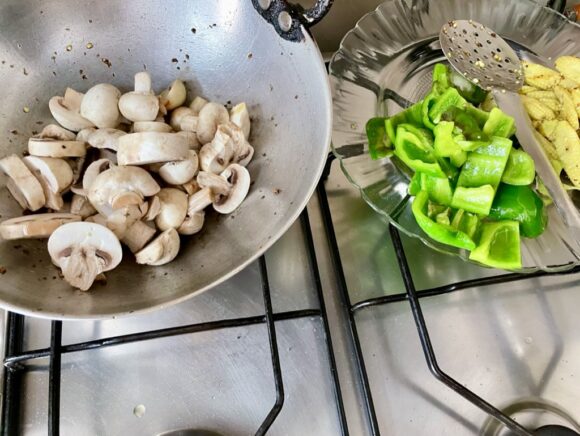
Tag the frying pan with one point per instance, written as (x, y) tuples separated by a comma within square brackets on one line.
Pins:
[(228, 51)]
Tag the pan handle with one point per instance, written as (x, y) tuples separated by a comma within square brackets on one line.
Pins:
[(289, 19)]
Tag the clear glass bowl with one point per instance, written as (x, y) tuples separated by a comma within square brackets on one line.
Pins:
[(385, 63)]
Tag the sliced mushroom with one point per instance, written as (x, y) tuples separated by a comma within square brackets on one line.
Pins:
[(190, 187), (218, 184), (154, 207), (56, 148), (80, 205), (98, 219), (192, 140), (123, 218), (163, 249), (140, 104), (93, 170), (240, 116), (100, 105), (105, 138), (211, 116), (57, 172), (151, 126), (52, 131), (137, 236), (84, 250), (243, 151), (197, 104), (174, 96), (84, 134), (35, 226), (66, 116), (189, 123), (180, 172), (151, 147), (73, 99), (25, 188), (200, 200), (239, 179), (173, 208), (177, 116), (192, 224), (77, 165), (217, 155), (121, 186)]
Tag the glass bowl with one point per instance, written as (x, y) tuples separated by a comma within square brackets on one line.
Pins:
[(385, 63)]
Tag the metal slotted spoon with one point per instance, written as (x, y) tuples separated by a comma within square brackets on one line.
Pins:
[(485, 59)]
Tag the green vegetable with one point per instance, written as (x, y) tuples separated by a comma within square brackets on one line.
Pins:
[(520, 168), (467, 123), (440, 78), (449, 99), (467, 222), (477, 200), (472, 93), (412, 115), (380, 144), (521, 204), (499, 124), (478, 115), (485, 166), (428, 103), (499, 245), (443, 233), (438, 188), (414, 146)]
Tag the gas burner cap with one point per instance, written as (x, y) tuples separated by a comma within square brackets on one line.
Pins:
[(555, 430)]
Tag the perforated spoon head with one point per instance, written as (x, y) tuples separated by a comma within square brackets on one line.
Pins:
[(481, 55)]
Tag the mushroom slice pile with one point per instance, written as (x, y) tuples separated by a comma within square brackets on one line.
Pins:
[(23, 186), (35, 226), (83, 251), (163, 249), (136, 168), (151, 147)]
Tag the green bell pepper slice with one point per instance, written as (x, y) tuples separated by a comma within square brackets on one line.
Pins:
[(499, 245), (499, 124), (446, 144), (467, 122), (438, 188), (412, 115), (466, 222), (414, 146), (440, 78), (442, 103), (477, 200), (521, 204), (380, 144), (472, 93), (520, 169), (486, 165), (439, 232)]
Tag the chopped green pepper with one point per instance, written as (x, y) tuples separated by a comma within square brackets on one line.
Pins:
[(499, 124), (520, 168), (499, 245), (412, 115), (440, 78), (415, 148), (485, 166), (380, 144), (477, 200), (472, 93), (466, 222), (438, 188), (449, 99), (440, 232), (521, 204)]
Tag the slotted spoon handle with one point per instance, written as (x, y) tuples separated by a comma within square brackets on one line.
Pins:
[(511, 104)]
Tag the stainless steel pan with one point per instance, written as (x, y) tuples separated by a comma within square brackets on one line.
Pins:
[(226, 51)]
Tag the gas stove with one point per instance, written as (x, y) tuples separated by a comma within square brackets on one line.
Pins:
[(344, 327)]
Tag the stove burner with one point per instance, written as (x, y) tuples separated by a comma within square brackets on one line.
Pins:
[(555, 430)]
